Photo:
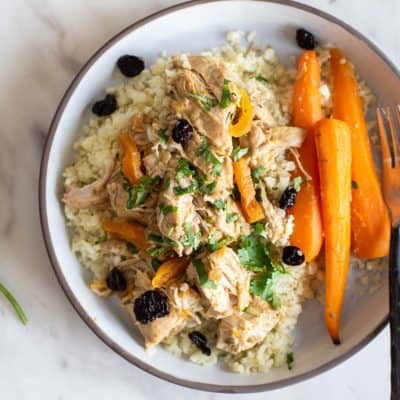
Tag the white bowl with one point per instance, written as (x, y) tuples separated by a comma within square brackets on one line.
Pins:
[(195, 26)]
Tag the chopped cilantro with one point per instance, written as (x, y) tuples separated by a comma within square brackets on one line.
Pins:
[(155, 238), (297, 183), (102, 238), (132, 248), (214, 244), (207, 103), (220, 204), (191, 239), (167, 183), (202, 274), (208, 188), (263, 286), (239, 152), (258, 228), (289, 360), (167, 209), (256, 173), (232, 217), (354, 185), (192, 188), (155, 251), (184, 169), (205, 152), (226, 94), (261, 78), (163, 136), (139, 193), (254, 253), (155, 263)]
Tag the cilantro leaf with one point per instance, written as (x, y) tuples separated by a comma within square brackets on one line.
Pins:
[(102, 238), (205, 152), (232, 217), (261, 78), (263, 286), (207, 103), (167, 209), (220, 204), (184, 169), (191, 239), (256, 173), (155, 251), (132, 248), (163, 136), (203, 275), (254, 254), (155, 263), (239, 152), (214, 244), (192, 188), (208, 188), (258, 228), (297, 183), (139, 193), (226, 94)]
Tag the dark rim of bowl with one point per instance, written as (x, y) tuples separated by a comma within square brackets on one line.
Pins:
[(53, 258)]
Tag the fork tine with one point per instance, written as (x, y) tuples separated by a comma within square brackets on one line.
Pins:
[(386, 156), (393, 136)]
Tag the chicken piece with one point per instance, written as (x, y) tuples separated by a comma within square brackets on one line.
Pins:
[(184, 304), (119, 199), (266, 144), (243, 330), (174, 224), (155, 161), (229, 288), (206, 79), (116, 248), (92, 194)]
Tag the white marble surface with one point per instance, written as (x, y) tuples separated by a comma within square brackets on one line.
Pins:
[(43, 44)]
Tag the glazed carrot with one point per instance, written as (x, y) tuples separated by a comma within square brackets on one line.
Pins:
[(370, 226), (169, 271), (251, 208), (333, 144), (132, 233), (130, 158), (307, 233), (242, 125)]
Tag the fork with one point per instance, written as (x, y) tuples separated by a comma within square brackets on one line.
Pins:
[(391, 192)]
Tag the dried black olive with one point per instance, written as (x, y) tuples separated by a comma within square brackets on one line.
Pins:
[(288, 198), (150, 305), (200, 341), (130, 66), (292, 255), (182, 131), (115, 280), (106, 106), (305, 39)]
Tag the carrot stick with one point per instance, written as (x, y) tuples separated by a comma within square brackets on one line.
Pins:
[(370, 225), (307, 233), (251, 208), (333, 144)]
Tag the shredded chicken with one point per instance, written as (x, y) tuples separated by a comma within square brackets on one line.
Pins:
[(92, 194), (230, 288), (244, 329)]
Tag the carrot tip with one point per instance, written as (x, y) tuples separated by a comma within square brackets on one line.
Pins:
[(336, 341)]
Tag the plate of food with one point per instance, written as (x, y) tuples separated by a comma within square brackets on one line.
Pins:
[(209, 198)]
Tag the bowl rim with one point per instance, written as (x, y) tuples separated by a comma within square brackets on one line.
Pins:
[(49, 242)]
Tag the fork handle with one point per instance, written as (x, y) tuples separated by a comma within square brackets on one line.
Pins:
[(394, 289)]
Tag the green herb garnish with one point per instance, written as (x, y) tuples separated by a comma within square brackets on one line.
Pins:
[(261, 78), (263, 286), (354, 185), (167, 209), (232, 217), (205, 152), (214, 244), (139, 193), (239, 152), (132, 248), (208, 188), (184, 169), (155, 263), (297, 183), (191, 239), (289, 360), (256, 173), (155, 251), (102, 238), (14, 303), (207, 103), (163, 136), (220, 204), (162, 240), (192, 188), (258, 228), (167, 183), (254, 254), (202, 274), (226, 95)]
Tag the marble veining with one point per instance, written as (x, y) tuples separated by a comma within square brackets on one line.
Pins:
[(44, 43)]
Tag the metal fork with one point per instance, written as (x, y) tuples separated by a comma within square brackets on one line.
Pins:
[(391, 192)]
